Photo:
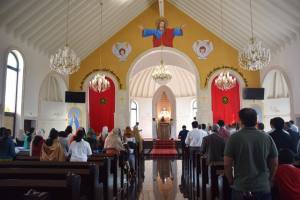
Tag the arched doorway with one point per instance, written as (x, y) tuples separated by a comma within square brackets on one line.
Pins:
[(277, 102), (185, 85), (101, 107)]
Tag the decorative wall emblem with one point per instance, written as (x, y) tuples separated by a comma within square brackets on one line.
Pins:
[(225, 100), (202, 48), (103, 101), (121, 50)]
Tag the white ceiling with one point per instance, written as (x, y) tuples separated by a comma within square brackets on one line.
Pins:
[(41, 23), (182, 83)]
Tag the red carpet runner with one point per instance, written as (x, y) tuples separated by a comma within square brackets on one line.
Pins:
[(164, 148)]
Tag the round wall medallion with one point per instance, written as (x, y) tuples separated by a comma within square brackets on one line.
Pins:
[(225, 100)]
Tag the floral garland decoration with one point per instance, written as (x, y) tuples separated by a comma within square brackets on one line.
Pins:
[(224, 67), (101, 70)]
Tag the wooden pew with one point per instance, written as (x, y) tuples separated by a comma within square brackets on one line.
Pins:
[(216, 170), (89, 173), (14, 188)]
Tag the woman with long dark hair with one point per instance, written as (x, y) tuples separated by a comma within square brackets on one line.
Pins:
[(79, 149), (37, 143), (52, 149)]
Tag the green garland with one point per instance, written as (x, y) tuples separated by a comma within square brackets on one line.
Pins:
[(101, 70), (224, 67)]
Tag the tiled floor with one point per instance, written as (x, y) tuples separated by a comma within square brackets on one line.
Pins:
[(162, 180)]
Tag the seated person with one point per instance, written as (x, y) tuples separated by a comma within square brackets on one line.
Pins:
[(52, 149), (63, 138), (79, 149), (7, 146), (113, 141), (92, 140), (213, 145), (131, 143), (287, 178), (37, 143)]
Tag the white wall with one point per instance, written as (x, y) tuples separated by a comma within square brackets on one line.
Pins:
[(287, 60), (36, 67), (145, 115)]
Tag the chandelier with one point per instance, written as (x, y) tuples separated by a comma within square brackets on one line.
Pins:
[(65, 61), (225, 81), (99, 83), (161, 74), (254, 57)]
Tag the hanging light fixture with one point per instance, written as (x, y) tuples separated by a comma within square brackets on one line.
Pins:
[(225, 81), (99, 83), (65, 61), (161, 74), (254, 57)]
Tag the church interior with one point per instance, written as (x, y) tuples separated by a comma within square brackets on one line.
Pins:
[(140, 69)]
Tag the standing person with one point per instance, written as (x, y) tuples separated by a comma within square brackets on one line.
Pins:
[(172, 129), (293, 126), (20, 138), (52, 149), (261, 127), (223, 132), (154, 128), (63, 138), (79, 149), (37, 143), (254, 157), (194, 137), (7, 146), (281, 138), (28, 138), (182, 136), (294, 135), (92, 140), (213, 145)]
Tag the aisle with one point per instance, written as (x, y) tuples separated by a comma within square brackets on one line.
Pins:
[(162, 180)]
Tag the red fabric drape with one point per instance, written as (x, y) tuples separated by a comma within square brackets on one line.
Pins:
[(225, 104), (102, 108)]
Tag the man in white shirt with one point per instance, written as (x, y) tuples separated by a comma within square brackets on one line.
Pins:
[(194, 137), (294, 127)]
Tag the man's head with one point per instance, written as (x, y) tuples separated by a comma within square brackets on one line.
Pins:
[(272, 123), (292, 122), (162, 23), (286, 156), (278, 123), (221, 123), (137, 123), (203, 126), (287, 125), (215, 128), (195, 124), (153, 119), (248, 117), (184, 127), (260, 126)]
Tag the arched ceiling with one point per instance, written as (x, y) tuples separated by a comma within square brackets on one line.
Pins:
[(275, 85), (182, 83), (41, 23)]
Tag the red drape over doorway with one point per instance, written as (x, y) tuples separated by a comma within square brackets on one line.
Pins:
[(225, 104), (102, 108)]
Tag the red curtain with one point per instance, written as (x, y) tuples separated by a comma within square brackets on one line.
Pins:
[(102, 108), (225, 104)]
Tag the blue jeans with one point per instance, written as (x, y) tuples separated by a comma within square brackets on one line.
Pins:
[(237, 195)]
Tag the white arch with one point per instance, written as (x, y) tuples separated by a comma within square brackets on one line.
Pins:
[(85, 88), (151, 57), (287, 80)]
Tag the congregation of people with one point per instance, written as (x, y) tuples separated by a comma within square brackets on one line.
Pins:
[(262, 160), (68, 146)]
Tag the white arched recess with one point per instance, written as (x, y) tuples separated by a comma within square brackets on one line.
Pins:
[(280, 106), (52, 108), (239, 79), (150, 58), (117, 117), (156, 99)]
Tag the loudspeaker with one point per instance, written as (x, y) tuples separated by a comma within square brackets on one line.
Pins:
[(253, 93), (74, 97)]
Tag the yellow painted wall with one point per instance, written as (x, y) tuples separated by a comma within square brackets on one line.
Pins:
[(223, 54)]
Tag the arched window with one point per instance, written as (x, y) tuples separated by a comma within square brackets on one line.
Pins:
[(13, 88), (194, 108), (133, 113)]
